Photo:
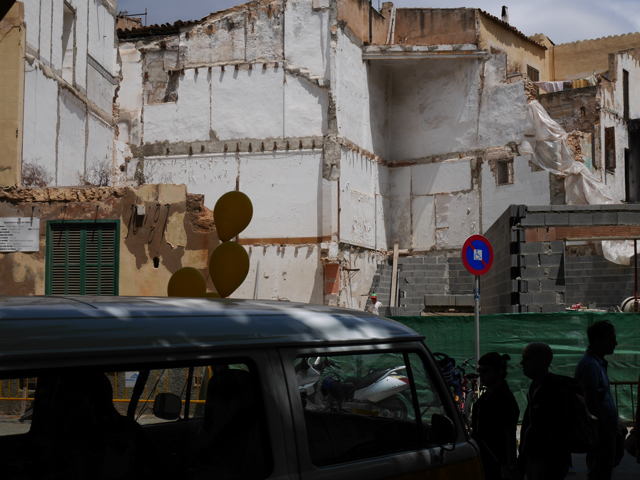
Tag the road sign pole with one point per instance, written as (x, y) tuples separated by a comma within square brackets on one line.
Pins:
[(476, 296)]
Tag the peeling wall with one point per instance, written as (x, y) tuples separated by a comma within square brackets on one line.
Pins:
[(175, 229), (68, 110)]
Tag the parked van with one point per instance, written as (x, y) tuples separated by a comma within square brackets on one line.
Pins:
[(123, 387)]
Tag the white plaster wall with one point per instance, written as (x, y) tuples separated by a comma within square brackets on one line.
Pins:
[(360, 96), (306, 105), (247, 103), (45, 32), (400, 192), (208, 175), (71, 140), (358, 212), (100, 145), (130, 95), (264, 37), (528, 188), (99, 90), (614, 181), (504, 106), (457, 217), (56, 35), (384, 214), (82, 20), (286, 193), (288, 272), (423, 222), (101, 35), (434, 108), (187, 120), (40, 119), (32, 22), (307, 37), (442, 177)]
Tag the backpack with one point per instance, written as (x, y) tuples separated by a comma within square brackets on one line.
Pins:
[(583, 427)]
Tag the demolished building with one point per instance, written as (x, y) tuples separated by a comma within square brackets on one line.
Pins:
[(349, 128)]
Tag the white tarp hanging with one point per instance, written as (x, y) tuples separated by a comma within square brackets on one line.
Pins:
[(546, 141)]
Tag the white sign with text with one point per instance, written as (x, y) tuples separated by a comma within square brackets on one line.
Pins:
[(19, 234)]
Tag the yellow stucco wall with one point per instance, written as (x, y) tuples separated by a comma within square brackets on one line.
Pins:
[(580, 59), (12, 42), (520, 51)]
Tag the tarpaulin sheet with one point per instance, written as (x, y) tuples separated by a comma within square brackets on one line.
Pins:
[(564, 332)]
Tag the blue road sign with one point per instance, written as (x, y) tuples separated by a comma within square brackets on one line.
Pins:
[(477, 255)]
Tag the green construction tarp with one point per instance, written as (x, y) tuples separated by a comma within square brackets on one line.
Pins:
[(564, 332)]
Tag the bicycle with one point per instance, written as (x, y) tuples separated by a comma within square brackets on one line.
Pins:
[(464, 386)]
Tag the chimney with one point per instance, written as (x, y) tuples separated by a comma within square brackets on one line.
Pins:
[(505, 14)]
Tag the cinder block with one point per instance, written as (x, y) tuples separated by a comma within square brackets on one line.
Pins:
[(547, 285), (556, 247), (605, 218), (525, 299), (532, 247), (580, 218), (532, 273), (541, 298), (439, 300), (533, 220), (556, 218), (553, 259), (629, 218), (465, 300)]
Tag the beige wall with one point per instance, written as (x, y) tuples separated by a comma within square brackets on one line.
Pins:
[(176, 228), (495, 35), (580, 59), (12, 41)]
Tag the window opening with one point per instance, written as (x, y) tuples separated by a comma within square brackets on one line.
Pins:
[(610, 148), (504, 172), (625, 93), (533, 74), (363, 405), (81, 423)]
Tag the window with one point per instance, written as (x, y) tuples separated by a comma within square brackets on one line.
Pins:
[(610, 148), (82, 258), (191, 421), (364, 405), (504, 172), (68, 43), (533, 74), (625, 93)]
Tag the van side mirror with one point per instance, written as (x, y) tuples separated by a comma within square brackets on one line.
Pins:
[(167, 406), (443, 429)]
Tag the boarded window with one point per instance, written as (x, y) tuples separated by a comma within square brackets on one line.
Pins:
[(533, 74), (82, 259), (610, 148), (504, 172)]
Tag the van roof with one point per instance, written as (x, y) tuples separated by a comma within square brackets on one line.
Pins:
[(65, 327)]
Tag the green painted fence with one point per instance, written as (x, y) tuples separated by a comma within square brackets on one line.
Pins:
[(565, 332)]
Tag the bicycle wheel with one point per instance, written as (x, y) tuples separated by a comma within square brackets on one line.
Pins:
[(393, 407)]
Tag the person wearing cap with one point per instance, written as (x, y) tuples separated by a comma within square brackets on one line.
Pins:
[(375, 305)]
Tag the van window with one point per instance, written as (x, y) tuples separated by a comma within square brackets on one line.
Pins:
[(78, 424), (364, 405)]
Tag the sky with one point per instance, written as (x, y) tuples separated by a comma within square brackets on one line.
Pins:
[(561, 20)]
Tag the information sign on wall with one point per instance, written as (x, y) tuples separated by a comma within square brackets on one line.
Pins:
[(19, 234)]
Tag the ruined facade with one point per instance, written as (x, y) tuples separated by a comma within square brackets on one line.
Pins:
[(348, 128), (63, 73), (105, 240)]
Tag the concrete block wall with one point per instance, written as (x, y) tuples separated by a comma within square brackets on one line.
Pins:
[(592, 278), (546, 271), (498, 287)]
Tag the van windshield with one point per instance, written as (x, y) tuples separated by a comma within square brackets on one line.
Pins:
[(196, 421)]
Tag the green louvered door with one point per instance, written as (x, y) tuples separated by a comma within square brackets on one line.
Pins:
[(82, 258)]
